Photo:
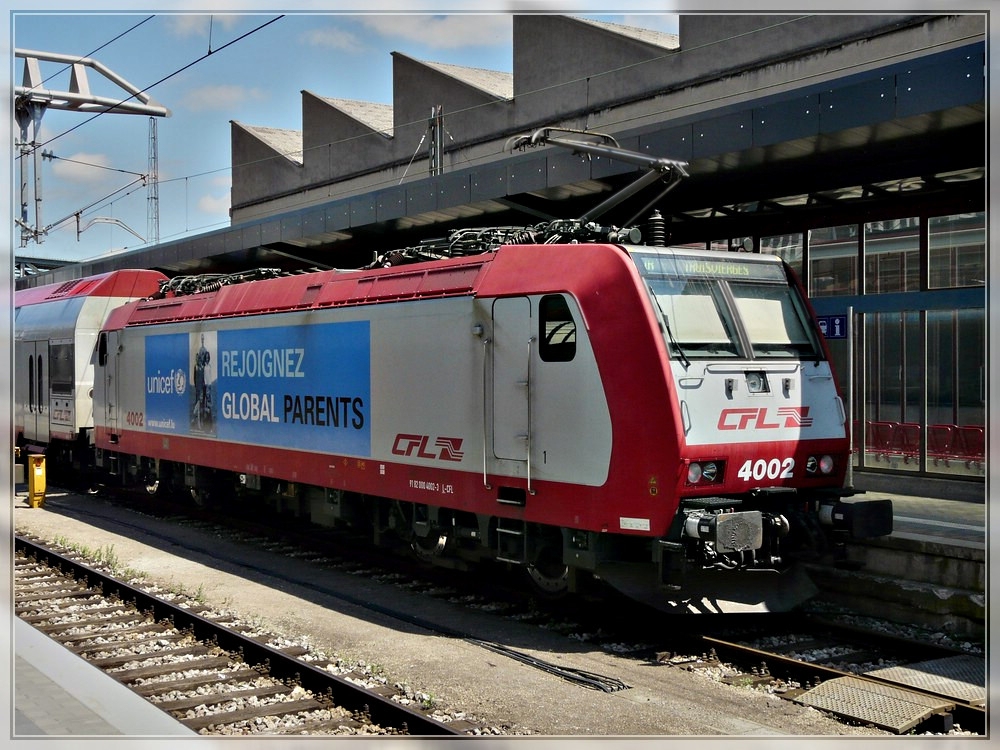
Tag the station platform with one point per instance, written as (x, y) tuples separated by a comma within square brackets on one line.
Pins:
[(57, 693), (931, 571), (935, 520)]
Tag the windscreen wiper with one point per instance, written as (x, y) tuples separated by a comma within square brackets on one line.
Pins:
[(670, 334)]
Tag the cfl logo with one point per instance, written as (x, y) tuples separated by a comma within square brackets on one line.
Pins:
[(795, 416), (757, 419), (444, 449)]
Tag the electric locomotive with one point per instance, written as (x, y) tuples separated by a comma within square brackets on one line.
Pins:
[(558, 398), (665, 419)]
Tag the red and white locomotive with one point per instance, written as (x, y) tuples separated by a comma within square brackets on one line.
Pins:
[(666, 419), (55, 332)]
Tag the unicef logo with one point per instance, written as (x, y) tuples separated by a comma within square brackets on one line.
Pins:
[(180, 381)]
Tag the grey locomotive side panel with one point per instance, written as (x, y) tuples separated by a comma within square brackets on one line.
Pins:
[(408, 382)]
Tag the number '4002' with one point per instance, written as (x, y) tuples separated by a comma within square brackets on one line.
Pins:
[(776, 468)]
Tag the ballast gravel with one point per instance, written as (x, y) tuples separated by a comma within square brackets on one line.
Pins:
[(284, 596)]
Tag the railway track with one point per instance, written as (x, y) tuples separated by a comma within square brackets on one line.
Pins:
[(893, 683), (212, 678), (818, 663)]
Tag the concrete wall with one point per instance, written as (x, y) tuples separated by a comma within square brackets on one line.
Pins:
[(336, 143), (573, 73)]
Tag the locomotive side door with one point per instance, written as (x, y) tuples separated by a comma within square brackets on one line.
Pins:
[(512, 349), (32, 368), (107, 361)]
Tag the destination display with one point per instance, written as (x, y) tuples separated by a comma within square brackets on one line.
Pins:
[(736, 268)]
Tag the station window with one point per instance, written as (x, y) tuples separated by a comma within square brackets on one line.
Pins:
[(957, 250), (833, 261), (956, 392), (893, 390), (892, 256), (556, 329), (788, 247)]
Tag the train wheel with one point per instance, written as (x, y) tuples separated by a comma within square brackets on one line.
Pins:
[(549, 574), (200, 497), (428, 547), (550, 581)]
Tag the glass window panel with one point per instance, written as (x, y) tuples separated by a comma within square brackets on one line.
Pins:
[(696, 317), (833, 261), (788, 247), (957, 250), (556, 329), (892, 256), (894, 388), (61, 368), (956, 396)]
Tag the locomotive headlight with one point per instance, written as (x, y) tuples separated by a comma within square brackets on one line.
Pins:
[(706, 472), (757, 382), (694, 473), (824, 464)]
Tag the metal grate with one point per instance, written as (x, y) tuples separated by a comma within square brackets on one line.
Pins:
[(960, 677), (885, 707)]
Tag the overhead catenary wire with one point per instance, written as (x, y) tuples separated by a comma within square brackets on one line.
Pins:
[(157, 83), (91, 164), (37, 146)]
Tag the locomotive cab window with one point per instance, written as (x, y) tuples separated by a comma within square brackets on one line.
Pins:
[(696, 318), (728, 307), (556, 329), (775, 321)]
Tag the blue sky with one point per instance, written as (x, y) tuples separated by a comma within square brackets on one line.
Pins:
[(256, 80)]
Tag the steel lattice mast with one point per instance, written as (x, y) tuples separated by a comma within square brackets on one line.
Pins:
[(32, 99)]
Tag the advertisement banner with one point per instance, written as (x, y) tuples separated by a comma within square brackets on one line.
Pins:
[(306, 386), (166, 382)]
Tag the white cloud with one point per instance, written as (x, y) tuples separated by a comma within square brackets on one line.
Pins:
[(185, 26), (221, 97), (333, 38), (198, 24), (445, 32), (214, 205), (82, 167)]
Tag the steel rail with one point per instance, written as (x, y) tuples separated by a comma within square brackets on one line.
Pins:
[(382, 711), (968, 715)]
